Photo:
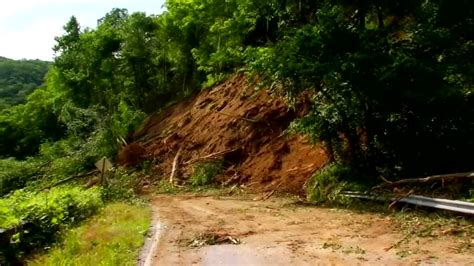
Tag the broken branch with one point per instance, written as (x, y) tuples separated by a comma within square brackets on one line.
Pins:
[(70, 178), (428, 179), (175, 166), (212, 155), (239, 117), (398, 243)]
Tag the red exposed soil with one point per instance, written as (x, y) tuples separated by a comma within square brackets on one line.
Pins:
[(232, 116)]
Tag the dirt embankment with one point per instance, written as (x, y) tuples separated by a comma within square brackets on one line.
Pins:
[(236, 117)]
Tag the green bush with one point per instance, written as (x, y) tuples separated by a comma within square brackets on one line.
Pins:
[(74, 155), (326, 184), (44, 214), (121, 185), (204, 173), (55, 161), (16, 174), (165, 187)]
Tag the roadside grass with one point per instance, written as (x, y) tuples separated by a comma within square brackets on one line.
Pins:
[(418, 224), (113, 237)]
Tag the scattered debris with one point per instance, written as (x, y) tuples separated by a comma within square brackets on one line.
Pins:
[(398, 243), (209, 239), (269, 194)]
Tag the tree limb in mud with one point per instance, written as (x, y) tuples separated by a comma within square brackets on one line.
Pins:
[(239, 117), (210, 156), (444, 178), (175, 166)]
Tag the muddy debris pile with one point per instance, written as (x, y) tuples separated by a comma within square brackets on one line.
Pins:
[(243, 126)]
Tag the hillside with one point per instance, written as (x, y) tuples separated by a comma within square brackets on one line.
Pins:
[(245, 127), (18, 78)]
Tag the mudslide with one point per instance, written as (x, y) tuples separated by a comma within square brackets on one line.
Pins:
[(278, 231)]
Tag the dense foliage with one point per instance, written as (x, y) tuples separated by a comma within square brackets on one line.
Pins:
[(18, 78), (113, 237), (40, 216), (392, 83)]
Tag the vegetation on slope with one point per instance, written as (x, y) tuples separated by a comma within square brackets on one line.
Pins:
[(18, 78), (39, 217)]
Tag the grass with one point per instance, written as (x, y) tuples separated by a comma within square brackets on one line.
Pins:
[(113, 237), (433, 225)]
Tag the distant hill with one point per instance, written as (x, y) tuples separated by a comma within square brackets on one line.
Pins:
[(18, 78)]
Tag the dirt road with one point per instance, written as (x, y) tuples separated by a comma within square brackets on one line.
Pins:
[(277, 232)]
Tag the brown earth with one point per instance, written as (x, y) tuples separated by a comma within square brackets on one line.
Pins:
[(280, 232), (235, 117)]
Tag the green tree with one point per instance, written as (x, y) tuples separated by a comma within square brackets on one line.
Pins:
[(391, 91), (19, 78)]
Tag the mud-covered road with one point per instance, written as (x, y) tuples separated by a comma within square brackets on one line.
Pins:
[(277, 232)]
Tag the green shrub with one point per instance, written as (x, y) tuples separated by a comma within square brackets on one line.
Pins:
[(204, 173), (44, 214), (214, 80), (74, 155), (326, 184), (165, 187), (55, 161), (121, 185), (16, 174)]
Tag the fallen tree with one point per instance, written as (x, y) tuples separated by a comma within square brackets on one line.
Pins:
[(424, 180)]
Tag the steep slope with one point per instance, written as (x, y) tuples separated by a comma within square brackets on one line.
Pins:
[(244, 124)]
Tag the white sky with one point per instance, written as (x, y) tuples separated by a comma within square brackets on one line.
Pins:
[(28, 27)]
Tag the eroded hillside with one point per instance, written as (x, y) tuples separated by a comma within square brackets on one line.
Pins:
[(245, 125)]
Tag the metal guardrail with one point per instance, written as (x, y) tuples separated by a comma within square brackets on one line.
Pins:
[(442, 204)]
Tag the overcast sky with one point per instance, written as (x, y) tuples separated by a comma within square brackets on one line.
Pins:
[(28, 27)]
